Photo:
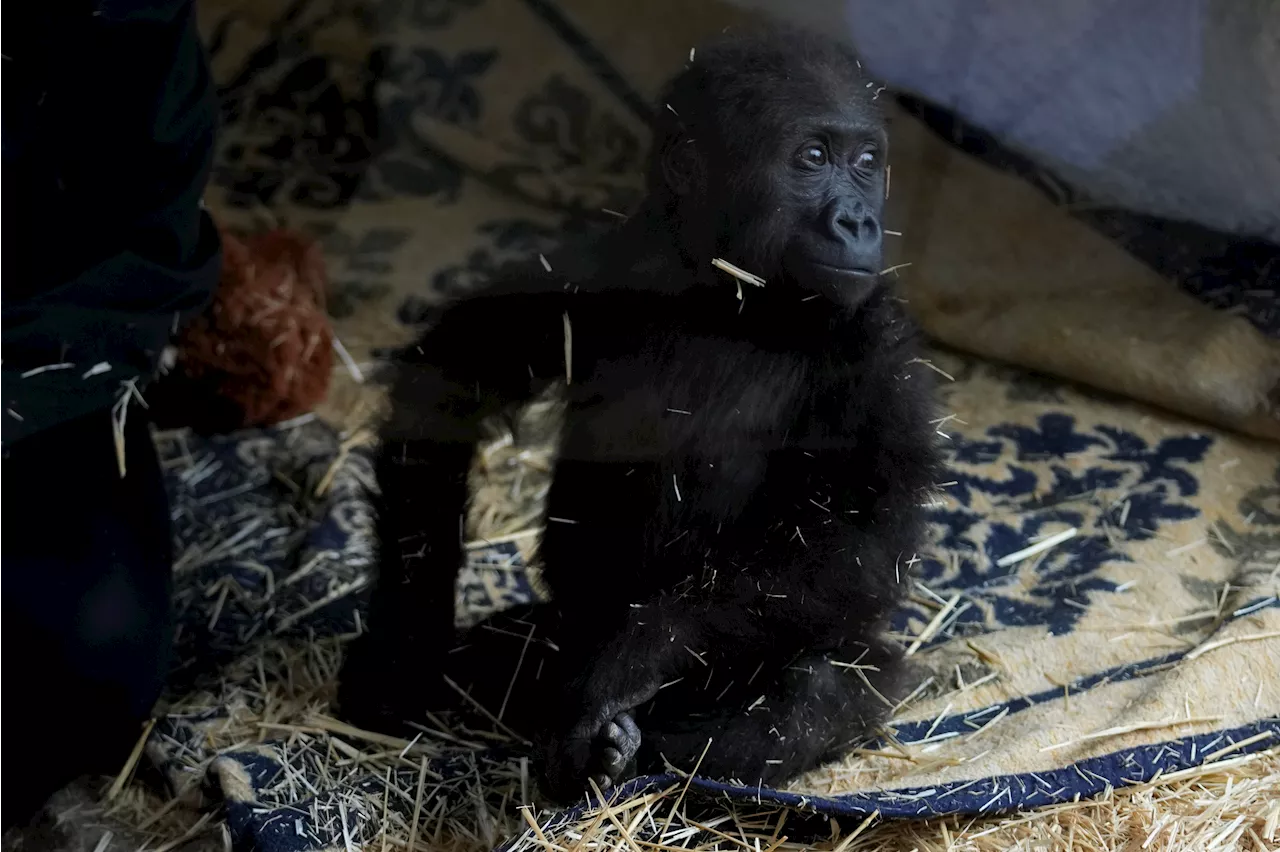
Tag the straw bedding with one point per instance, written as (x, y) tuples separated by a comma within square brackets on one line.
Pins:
[(1095, 624)]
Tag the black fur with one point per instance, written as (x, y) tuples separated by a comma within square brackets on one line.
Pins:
[(737, 494)]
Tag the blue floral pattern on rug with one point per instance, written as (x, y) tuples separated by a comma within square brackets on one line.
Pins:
[(1157, 479)]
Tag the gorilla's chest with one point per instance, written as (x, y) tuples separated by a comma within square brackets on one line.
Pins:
[(686, 396)]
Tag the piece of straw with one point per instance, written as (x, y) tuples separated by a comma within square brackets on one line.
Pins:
[(1234, 640), (738, 273), (1038, 547), (131, 762), (568, 350), (932, 626)]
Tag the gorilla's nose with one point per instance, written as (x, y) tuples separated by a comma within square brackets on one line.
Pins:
[(856, 227)]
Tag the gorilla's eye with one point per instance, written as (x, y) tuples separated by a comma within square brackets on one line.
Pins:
[(866, 160), (813, 155)]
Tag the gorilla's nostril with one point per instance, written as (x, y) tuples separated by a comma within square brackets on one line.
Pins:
[(853, 222), (862, 228)]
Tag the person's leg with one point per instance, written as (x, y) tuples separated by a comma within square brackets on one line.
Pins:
[(109, 141), (87, 624)]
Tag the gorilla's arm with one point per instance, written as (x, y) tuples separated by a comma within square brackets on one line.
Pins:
[(485, 357)]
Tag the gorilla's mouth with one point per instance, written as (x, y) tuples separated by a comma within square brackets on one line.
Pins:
[(850, 271)]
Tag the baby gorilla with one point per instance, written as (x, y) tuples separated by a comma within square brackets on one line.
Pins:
[(736, 498)]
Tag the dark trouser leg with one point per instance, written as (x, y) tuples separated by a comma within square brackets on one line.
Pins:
[(87, 626)]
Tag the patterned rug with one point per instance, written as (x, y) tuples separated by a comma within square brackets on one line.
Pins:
[(1098, 607)]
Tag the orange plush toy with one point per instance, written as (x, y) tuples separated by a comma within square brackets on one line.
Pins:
[(262, 351)]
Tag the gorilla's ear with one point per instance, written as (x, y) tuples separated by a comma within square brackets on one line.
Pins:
[(681, 166)]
